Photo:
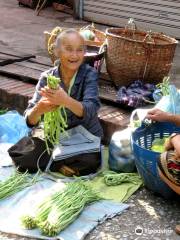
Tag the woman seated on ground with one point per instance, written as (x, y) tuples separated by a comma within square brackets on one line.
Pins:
[(78, 90), (169, 164)]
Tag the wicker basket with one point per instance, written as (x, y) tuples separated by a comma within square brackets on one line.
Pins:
[(134, 54), (99, 41)]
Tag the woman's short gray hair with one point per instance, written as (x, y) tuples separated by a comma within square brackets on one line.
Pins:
[(64, 33)]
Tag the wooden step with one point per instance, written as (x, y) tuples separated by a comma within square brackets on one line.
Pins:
[(14, 93), (112, 119)]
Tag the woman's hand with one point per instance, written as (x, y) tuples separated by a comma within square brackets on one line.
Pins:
[(158, 115), (44, 106), (60, 98), (55, 97)]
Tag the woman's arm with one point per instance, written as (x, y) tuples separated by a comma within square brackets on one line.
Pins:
[(174, 119), (75, 107), (160, 116), (35, 113)]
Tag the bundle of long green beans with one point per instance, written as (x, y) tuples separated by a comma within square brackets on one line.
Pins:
[(15, 183), (61, 208), (55, 121), (112, 178)]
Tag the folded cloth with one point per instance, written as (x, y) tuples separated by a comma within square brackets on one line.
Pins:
[(170, 166), (118, 193), (76, 141), (78, 149), (136, 95)]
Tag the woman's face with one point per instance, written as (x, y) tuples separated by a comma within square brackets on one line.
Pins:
[(71, 51)]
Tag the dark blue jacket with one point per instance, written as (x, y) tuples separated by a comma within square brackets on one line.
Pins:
[(84, 90)]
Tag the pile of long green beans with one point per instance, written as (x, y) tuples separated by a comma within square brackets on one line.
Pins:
[(113, 179), (15, 183), (164, 86), (55, 121), (61, 208)]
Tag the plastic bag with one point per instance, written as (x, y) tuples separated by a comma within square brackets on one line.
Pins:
[(12, 127), (171, 102), (121, 158)]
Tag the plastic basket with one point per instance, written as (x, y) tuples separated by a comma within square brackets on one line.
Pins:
[(146, 160)]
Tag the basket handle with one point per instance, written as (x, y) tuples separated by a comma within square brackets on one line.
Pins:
[(141, 118), (149, 38)]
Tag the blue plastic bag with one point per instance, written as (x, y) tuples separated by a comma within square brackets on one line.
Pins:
[(171, 102), (12, 127)]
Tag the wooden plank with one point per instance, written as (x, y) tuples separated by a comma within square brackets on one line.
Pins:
[(5, 56), (8, 59), (112, 119), (20, 72), (33, 66), (107, 91), (42, 61), (105, 77), (11, 92)]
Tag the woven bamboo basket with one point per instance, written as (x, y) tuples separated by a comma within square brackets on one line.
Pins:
[(133, 54), (49, 42)]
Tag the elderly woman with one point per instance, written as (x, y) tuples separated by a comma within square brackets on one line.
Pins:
[(169, 164), (78, 90)]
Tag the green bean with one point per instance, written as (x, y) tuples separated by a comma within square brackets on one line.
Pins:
[(15, 183), (112, 178), (54, 121), (61, 208)]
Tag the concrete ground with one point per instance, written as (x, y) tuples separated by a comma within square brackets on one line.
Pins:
[(153, 216)]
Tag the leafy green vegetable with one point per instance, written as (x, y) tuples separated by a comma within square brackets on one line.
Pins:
[(158, 145), (164, 86)]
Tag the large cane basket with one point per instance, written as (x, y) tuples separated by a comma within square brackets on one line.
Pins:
[(135, 54)]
